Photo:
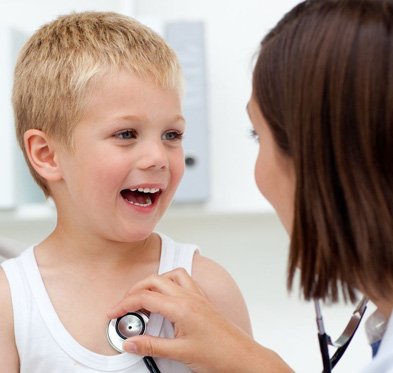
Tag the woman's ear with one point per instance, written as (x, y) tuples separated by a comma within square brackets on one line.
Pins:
[(42, 154)]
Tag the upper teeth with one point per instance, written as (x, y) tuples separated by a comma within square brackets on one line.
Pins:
[(146, 190)]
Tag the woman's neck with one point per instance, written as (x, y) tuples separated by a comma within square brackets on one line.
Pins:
[(385, 307)]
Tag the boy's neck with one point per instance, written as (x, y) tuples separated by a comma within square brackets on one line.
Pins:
[(81, 251)]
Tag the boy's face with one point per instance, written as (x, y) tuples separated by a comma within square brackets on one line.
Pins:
[(128, 158)]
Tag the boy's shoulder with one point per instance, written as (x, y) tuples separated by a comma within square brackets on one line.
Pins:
[(5, 296), (8, 352), (9, 280), (221, 290), (211, 275), (4, 287), (203, 263)]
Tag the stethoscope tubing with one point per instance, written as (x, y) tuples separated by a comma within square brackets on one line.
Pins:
[(151, 364), (323, 346), (345, 338)]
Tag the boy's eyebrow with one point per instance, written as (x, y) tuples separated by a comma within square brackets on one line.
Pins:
[(176, 118), (179, 118)]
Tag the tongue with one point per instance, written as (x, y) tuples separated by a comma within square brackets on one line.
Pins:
[(135, 197)]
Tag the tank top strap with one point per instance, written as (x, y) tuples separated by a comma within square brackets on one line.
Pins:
[(21, 298), (176, 255)]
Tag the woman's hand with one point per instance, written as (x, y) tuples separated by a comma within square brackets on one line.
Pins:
[(204, 340)]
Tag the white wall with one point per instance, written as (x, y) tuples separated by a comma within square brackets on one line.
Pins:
[(29, 15)]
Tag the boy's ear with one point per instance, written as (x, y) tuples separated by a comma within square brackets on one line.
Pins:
[(42, 155)]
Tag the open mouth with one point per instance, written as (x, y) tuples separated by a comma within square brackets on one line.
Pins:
[(143, 197)]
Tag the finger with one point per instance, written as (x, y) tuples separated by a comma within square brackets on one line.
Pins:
[(156, 283), (146, 345), (149, 294), (181, 277), (168, 284), (145, 299)]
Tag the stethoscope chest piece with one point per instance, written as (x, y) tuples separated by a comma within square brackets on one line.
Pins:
[(129, 325)]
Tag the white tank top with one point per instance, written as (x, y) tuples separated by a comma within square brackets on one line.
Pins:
[(43, 343)]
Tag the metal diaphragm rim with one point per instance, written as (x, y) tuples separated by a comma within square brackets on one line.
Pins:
[(115, 338)]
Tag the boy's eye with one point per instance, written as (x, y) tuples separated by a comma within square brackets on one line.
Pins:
[(172, 135), (126, 134)]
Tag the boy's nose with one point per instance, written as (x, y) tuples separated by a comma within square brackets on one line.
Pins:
[(153, 155)]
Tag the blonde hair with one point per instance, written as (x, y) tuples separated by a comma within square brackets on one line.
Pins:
[(58, 62)]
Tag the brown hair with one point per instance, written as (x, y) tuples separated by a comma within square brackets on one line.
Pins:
[(58, 62), (324, 82)]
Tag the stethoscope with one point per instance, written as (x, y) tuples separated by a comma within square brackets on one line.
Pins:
[(126, 326), (343, 341)]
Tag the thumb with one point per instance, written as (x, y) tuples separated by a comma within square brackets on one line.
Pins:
[(147, 345)]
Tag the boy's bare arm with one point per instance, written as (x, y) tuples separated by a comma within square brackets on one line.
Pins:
[(8, 353), (222, 291)]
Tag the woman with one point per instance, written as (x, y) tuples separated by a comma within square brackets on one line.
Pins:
[(322, 110)]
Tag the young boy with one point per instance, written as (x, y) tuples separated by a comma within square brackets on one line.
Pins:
[(98, 117)]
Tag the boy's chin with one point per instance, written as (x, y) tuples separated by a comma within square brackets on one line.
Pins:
[(137, 234)]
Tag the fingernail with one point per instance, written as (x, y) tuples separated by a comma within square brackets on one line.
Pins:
[(130, 347)]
